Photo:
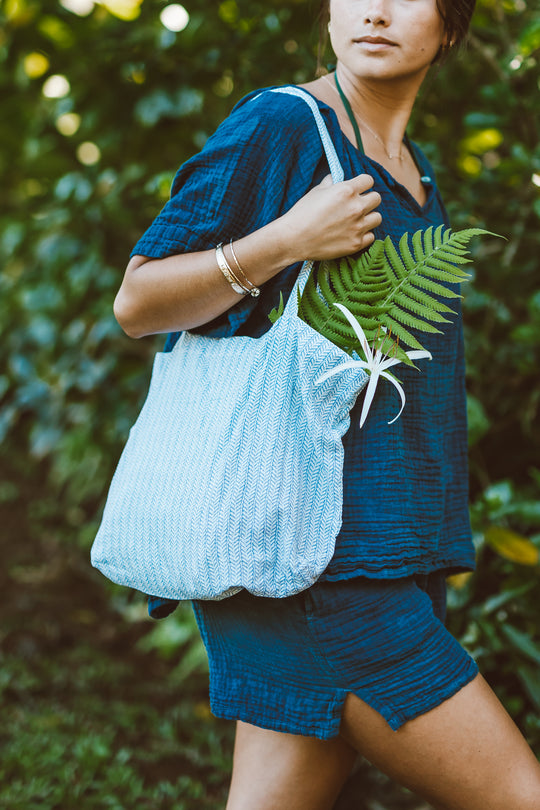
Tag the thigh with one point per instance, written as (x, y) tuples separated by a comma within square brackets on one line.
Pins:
[(466, 754), (273, 770)]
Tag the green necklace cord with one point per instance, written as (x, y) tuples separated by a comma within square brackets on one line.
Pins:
[(352, 117), (359, 144)]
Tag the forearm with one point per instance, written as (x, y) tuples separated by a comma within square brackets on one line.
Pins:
[(187, 290)]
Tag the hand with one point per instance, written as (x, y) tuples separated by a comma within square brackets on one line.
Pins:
[(333, 219)]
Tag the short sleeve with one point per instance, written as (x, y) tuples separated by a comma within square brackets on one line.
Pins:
[(261, 160)]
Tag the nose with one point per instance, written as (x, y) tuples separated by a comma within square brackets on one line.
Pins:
[(376, 12)]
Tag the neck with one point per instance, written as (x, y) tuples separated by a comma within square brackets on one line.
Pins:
[(383, 106)]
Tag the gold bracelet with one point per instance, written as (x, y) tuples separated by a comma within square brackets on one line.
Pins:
[(225, 268), (253, 290)]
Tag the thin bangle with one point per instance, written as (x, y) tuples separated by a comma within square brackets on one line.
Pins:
[(254, 291), (226, 269)]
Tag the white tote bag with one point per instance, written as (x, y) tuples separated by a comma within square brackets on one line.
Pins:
[(231, 477)]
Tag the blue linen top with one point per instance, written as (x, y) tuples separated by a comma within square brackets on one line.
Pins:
[(405, 508)]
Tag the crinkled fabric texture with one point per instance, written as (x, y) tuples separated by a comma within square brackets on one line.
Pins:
[(405, 507), (288, 664)]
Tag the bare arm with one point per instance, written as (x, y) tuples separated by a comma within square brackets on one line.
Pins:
[(188, 290)]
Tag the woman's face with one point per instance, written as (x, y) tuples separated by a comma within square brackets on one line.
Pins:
[(385, 39)]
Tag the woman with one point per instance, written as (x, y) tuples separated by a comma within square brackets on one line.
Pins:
[(361, 662)]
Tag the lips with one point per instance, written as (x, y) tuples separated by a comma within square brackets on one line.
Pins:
[(376, 40)]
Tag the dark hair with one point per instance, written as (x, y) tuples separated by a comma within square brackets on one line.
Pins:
[(456, 16)]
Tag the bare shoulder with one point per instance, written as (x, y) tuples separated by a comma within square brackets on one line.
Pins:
[(321, 88)]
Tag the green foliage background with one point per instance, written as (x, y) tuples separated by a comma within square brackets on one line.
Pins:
[(71, 383)]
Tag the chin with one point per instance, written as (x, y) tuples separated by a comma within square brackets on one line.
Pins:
[(386, 72)]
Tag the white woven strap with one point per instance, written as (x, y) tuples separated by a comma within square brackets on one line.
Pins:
[(336, 168)]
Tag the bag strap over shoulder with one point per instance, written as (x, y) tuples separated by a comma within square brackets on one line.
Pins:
[(336, 168), (336, 171)]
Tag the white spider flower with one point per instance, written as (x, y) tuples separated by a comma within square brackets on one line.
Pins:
[(375, 364)]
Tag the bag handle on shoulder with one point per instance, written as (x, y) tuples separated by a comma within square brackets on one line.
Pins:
[(336, 168)]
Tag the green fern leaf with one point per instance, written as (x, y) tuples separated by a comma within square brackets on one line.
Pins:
[(405, 251), (422, 298), (277, 312), (398, 265), (398, 330), (399, 315), (417, 246), (440, 264), (436, 289), (431, 313), (428, 241), (398, 289)]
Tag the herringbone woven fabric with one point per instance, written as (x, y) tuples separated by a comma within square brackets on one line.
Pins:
[(232, 475)]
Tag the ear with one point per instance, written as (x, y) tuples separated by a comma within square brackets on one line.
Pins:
[(445, 46), (447, 43)]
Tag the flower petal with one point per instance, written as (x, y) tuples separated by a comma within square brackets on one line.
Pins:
[(359, 332), (418, 355), (400, 391), (342, 367), (370, 393), (391, 361)]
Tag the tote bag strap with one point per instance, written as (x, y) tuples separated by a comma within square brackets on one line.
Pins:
[(336, 170)]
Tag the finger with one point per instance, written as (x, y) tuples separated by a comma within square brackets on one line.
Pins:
[(326, 181), (361, 183), (370, 201), (372, 220), (363, 241), (367, 240)]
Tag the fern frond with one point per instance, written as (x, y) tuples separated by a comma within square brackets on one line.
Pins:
[(405, 251), (277, 312), (398, 265), (422, 310), (428, 241), (399, 330), (444, 275), (397, 288), (436, 289), (422, 298)]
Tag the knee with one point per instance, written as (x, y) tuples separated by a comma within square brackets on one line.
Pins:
[(521, 793), (527, 788), (528, 798)]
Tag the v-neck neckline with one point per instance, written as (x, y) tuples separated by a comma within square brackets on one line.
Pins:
[(427, 181)]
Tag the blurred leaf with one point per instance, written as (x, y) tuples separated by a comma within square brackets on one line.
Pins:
[(123, 9), (160, 104), (500, 493), (512, 546), (499, 600), (459, 581), (482, 140), (522, 642), (531, 680), (529, 40), (477, 420)]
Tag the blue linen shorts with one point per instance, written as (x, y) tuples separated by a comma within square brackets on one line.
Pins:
[(288, 664)]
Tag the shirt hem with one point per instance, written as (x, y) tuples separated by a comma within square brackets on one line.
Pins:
[(335, 573)]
